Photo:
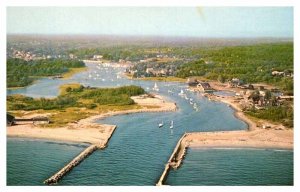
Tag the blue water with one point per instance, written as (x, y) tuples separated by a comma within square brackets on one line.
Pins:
[(138, 150), (234, 167), (31, 161)]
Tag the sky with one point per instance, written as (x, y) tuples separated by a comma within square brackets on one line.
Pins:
[(153, 21)]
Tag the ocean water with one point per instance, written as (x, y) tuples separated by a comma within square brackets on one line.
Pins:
[(30, 161), (234, 167), (138, 149)]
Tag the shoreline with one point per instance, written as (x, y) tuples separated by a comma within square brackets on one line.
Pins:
[(86, 130), (232, 102), (275, 137), (159, 79), (263, 139)]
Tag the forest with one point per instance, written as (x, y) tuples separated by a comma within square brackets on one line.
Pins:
[(250, 63), (21, 73)]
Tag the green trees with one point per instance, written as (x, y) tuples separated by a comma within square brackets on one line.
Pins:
[(73, 98), (21, 73), (282, 114), (253, 64), (221, 78), (112, 96), (268, 95), (255, 96)]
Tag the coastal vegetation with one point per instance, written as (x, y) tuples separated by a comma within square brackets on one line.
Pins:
[(279, 114), (76, 102), (249, 60), (251, 63), (21, 73)]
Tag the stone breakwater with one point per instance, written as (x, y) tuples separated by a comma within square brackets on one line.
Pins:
[(77, 160), (174, 160)]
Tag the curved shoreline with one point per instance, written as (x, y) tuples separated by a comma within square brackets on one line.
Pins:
[(277, 137), (86, 130)]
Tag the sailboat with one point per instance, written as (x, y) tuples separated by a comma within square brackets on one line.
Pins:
[(171, 126), (196, 107), (155, 88), (181, 93), (161, 124)]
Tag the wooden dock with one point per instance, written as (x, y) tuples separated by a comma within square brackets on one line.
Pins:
[(77, 160), (174, 160)]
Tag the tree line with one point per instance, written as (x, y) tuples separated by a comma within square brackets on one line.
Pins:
[(251, 63), (73, 97), (22, 73)]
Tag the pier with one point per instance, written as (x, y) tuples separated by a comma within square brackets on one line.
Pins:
[(77, 160), (174, 160)]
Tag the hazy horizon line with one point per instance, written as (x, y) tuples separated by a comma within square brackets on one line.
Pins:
[(159, 36)]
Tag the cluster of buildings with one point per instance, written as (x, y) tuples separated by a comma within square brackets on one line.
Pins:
[(29, 56), (248, 95), (159, 72), (149, 72), (201, 86)]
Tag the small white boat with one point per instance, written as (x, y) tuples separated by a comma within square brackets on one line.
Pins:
[(155, 88), (195, 107), (161, 124), (181, 93), (171, 126)]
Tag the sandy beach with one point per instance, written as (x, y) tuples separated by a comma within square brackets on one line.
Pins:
[(86, 130), (275, 136), (277, 139)]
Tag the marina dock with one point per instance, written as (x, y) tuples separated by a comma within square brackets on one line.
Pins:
[(174, 160)]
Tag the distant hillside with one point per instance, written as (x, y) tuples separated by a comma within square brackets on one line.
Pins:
[(251, 63)]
